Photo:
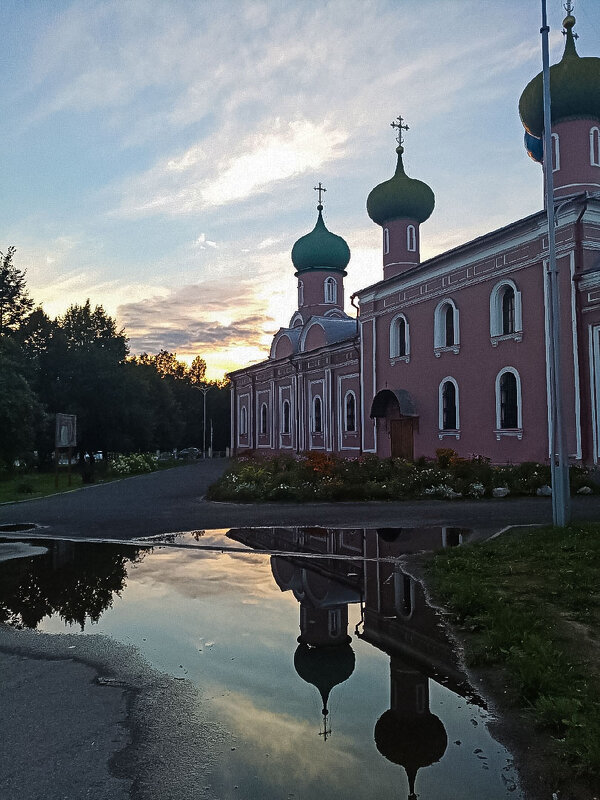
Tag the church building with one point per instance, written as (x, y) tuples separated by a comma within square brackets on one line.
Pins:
[(452, 351)]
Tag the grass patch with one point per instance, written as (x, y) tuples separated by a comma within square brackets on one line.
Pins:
[(529, 604), (33, 484)]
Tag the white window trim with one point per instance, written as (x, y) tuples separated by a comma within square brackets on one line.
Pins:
[(496, 296), (345, 410), (555, 152), (508, 432), (330, 290), (386, 241), (300, 293), (595, 146), (411, 239), (285, 432), (439, 328), (394, 356), (266, 420), (443, 432), (313, 427), (243, 421)]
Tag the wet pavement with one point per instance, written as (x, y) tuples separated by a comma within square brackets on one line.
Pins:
[(173, 500), (256, 663)]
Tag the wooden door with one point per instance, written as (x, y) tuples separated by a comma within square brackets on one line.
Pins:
[(401, 434)]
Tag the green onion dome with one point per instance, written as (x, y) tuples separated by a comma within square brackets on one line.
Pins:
[(400, 198), (320, 249), (574, 88)]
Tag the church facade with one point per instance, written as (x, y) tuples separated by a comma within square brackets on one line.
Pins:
[(452, 351)]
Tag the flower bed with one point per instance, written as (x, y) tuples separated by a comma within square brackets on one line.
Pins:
[(324, 477)]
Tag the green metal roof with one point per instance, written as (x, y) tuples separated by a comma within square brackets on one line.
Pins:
[(320, 249), (574, 88), (400, 198)]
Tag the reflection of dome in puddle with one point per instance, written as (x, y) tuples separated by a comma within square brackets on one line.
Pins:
[(324, 667), (408, 734)]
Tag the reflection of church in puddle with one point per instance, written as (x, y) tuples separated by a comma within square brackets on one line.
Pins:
[(361, 567)]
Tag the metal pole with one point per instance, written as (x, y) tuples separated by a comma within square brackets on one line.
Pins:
[(204, 391), (559, 465)]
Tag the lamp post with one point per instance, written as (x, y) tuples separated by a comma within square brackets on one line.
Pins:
[(205, 390), (559, 464)]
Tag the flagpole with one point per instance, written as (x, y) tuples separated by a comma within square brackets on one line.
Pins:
[(559, 464)]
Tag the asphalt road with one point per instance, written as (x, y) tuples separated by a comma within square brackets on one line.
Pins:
[(173, 500)]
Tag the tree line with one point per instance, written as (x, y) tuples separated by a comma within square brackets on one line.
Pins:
[(80, 363)]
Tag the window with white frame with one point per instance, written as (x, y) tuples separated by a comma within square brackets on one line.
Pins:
[(448, 405), (317, 416), (330, 290), (263, 418), (399, 337), (300, 293), (350, 411), (508, 400), (595, 146), (285, 417), (386, 241), (411, 238), (555, 152), (243, 421), (506, 318), (445, 326)]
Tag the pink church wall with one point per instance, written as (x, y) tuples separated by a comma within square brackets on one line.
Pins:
[(399, 258), (313, 292), (576, 173)]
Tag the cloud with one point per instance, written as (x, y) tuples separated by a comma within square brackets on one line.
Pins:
[(188, 183), (196, 319)]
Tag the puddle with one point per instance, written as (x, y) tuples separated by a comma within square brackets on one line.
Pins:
[(311, 646)]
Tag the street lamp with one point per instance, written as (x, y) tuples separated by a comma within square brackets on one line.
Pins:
[(205, 390), (559, 463)]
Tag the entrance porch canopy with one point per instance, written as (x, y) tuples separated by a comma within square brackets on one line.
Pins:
[(401, 397)]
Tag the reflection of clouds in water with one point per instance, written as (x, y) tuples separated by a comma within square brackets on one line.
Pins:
[(196, 575), (289, 741)]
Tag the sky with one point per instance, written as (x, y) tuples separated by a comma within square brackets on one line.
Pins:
[(160, 155)]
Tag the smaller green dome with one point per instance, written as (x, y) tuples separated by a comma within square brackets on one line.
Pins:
[(400, 198), (574, 88), (320, 249)]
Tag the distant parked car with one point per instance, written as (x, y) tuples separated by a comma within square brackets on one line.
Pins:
[(189, 453)]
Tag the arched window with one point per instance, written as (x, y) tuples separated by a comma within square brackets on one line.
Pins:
[(386, 241), (243, 421), (411, 238), (263, 418), (508, 310), (317, 418), (555, 152), (285, 421), (350, 411), (595, 146), (445, 326), (505, 310), (399, 337), (508, 400), (300, 293), (448, 414), (330, 290)]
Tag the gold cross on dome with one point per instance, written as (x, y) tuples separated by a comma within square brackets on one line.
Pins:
[(320, 189), (402, 126)]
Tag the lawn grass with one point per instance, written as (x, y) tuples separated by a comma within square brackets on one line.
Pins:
[(32, 485), (528, 604), (37, 484)]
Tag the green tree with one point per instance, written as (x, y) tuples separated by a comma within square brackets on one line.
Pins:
[(21, 413), (15, 303)]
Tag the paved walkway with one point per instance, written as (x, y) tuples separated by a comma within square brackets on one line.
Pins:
[(173, 500)]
